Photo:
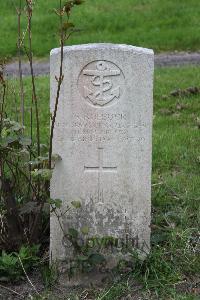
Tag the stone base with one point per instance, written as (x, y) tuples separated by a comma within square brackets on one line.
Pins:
[(85, 280)]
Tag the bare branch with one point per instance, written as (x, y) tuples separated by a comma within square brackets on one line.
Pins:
[(12, 291), (27, 276)]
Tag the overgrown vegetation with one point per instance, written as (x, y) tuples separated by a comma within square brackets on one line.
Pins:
[(11, 264), (26, 164)]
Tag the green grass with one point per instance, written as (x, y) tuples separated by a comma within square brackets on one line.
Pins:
[(175, 187), (176, 191), (162, 25), (13, 106)]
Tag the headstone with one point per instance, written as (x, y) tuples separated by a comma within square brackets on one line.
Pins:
[(103, 133)]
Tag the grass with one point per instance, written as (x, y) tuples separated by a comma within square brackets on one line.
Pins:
[(176, 191), (162, 25), (173, 265), (42, 84)]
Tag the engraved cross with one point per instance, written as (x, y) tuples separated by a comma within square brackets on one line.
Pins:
[(100, 168)]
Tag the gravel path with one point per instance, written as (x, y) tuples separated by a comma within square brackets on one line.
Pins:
[(161, 60)]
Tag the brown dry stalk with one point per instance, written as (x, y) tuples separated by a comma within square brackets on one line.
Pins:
[(60, 80), (34, 95), (21, 263), (12, 291), (19, 10), (30, 57), (2, 82)]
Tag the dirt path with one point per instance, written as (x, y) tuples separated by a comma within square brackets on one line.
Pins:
[(161, 60)]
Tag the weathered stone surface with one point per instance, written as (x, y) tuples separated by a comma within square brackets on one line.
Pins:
[(103, 133)]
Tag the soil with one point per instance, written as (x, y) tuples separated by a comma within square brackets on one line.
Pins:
[(161, 60), (63, 291)]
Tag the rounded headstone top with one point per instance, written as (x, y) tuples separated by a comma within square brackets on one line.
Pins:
[(103, 46)]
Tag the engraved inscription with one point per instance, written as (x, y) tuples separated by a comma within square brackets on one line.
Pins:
[(103, 127), (101, 83), (100, 168)]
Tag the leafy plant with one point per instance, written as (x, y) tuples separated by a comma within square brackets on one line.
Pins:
[(25, 164), (10, 266), (20, 197)]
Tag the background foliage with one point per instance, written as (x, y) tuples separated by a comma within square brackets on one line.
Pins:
[(162, 25)]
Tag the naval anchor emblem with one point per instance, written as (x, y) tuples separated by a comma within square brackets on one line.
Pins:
[(101, 82)]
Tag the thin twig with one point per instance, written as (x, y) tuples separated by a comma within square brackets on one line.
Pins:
[(34, 95), (20, 61), (64, 213), (27, 276), (60, 80), (30, 57), (12, 291), (2, 81), (26, 177), (24, 35), (19, 45), (58, 218)]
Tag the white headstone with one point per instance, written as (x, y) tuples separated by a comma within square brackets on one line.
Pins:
[(103, 133)]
